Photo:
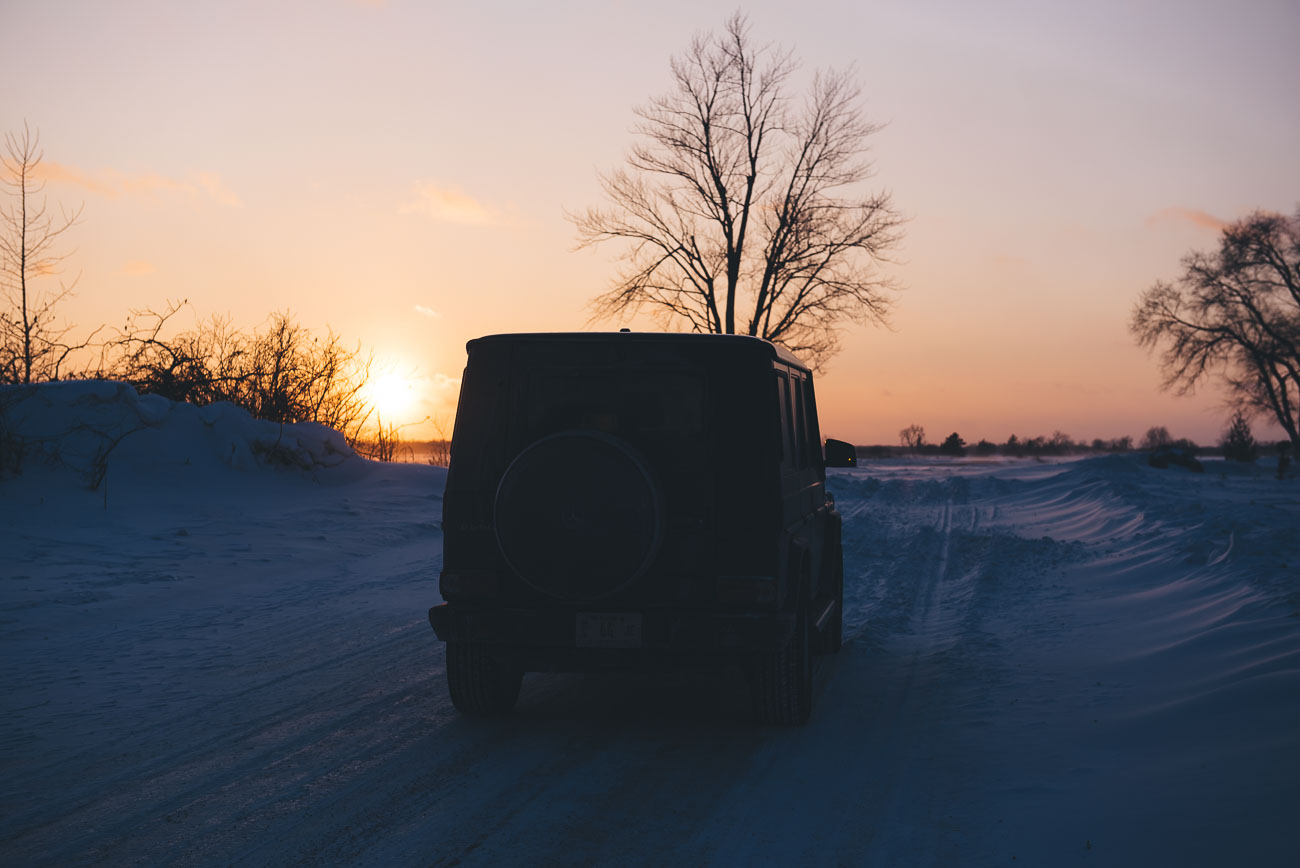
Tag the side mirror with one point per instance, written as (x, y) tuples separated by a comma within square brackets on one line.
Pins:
[(841, 454)]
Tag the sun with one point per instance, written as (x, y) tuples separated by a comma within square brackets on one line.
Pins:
[(392, 396)]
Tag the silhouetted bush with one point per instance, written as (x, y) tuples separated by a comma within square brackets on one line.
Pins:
[(953, 445), (1174, 456), (282, 372)]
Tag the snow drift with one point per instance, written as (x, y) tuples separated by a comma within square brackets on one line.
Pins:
[(81, 425)]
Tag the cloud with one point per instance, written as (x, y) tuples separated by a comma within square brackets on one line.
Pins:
[(450, 206), (1187, 215), (218, 191), (444, 382), (138, 268), (59, 173), (115, 184), (426, 311), (149, 185)]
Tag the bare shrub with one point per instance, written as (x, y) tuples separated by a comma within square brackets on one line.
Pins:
[(383, 445), (440, 449), (282, 372)]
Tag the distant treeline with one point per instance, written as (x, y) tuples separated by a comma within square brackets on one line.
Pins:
[(1237, 442)]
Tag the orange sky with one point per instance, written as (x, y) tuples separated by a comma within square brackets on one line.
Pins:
[(399, 171)]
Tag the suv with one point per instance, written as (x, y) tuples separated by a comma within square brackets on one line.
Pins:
[(632, 499)]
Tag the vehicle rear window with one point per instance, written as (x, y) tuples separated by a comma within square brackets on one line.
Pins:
[(636, 406)]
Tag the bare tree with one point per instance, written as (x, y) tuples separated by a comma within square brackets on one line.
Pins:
[(32, 346), (741, 210), (1156, 437), (1234, 312), (912, 437)]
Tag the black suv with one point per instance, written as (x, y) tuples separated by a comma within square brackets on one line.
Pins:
[(633, 499)]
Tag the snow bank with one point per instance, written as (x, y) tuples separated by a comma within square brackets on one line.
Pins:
[(86, 427)]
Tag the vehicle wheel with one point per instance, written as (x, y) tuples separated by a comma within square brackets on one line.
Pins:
[(783, 680), (479, 683)]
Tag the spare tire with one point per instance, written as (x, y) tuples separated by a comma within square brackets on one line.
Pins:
[(578, 515)]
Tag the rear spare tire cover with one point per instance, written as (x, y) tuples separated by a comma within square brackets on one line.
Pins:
[(578, 516)]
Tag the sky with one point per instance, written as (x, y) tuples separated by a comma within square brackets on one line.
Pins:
[(400, 172)]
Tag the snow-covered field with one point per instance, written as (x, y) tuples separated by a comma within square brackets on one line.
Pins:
[(221, 656)]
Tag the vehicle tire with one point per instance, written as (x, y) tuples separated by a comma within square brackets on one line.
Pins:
[(480, 684), (578, 515), (783, 679)]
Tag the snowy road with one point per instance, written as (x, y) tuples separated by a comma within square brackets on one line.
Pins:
[(1051, 664)]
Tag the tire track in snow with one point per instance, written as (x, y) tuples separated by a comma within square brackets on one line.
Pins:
[(886, 696), (908, 807)]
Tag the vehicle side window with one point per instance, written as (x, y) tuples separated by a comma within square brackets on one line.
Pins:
[(814, 430), (801, 428), (786, 438)]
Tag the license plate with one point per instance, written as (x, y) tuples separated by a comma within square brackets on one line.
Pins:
[(608, 631)]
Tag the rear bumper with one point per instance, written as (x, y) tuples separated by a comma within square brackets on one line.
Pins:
[(552, 635)]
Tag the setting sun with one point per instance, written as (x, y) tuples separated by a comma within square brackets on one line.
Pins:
[(393, 398)]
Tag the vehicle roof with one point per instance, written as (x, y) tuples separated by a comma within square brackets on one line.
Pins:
[(746, 342)]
